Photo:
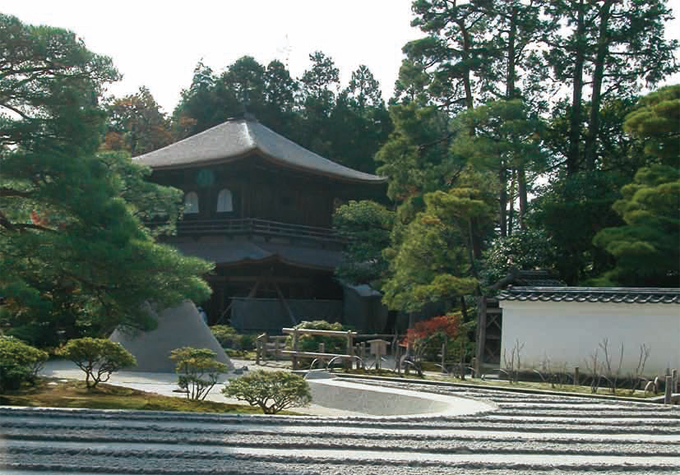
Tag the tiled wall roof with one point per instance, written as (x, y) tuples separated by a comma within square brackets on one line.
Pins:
[(592, 294)]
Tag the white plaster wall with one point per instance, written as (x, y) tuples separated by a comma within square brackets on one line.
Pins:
[(567, 333)]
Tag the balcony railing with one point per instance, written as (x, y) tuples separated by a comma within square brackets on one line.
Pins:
[(254, 226)]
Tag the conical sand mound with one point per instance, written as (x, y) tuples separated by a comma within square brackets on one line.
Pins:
[(177, 327)]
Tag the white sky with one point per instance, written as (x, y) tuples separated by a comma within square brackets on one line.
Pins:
[(158, 43)]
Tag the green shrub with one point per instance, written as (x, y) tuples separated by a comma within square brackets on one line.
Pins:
[(247, 342), (97, 357), (198, 370), (224, 334), (39, 335), (272, 391), (229, 339), (19, 363), (311, 342)]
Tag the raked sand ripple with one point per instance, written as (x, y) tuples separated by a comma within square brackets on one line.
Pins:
[(492, 432)]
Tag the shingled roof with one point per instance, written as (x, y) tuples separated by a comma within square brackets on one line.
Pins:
[(242, 137), (592, 294), (242, 251)]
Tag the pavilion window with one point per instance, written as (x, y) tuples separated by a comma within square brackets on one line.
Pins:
[(225, 203), (191, 203)]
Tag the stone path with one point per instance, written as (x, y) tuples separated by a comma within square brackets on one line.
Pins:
[(526, 434)]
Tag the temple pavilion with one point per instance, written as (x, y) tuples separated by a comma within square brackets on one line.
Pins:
[(260, 207)]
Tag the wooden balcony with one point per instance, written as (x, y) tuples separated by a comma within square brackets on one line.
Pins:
[(259, 227)]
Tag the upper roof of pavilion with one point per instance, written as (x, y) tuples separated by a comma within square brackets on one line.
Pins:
[(244, 137)]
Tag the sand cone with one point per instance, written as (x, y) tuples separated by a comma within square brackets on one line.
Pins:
[(177, 327)]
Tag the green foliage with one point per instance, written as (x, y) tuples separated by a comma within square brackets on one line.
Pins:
[(429, 266), (19, 363), (229, 339), (587, 55), (416, 157), (504, 136), (434, 258), (502, 139), (646, 247), (271, 391), (311, 342), (572, 210), (368, 226), (348, 126), (224, 334), (97, 357), (71, 394), (75, 258), (457, 105), (656, 120), (527, 250), (136, 124), (50, 83), (450, 50), (198, 370)]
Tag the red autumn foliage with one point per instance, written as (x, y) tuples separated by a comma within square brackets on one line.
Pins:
[(448, 325), (39, 220)]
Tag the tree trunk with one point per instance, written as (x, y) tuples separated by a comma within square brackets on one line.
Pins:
[(469, 101), (472, 249), (511, 73), (522, 193), (503, 199), (596, 99), (511, 202), (573, 154)]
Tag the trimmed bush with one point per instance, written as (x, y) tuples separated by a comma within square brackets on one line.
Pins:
[(19, 363), (229, 339), (198, 370), (272, 391), (97, 357), (224, 334)]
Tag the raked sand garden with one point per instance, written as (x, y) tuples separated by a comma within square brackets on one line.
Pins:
[(376, 427)]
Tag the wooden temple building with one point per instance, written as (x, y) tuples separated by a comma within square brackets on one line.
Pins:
[(260, 207)]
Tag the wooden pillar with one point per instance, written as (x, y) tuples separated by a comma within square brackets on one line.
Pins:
[(481, 335), (284, 302), (444, 356), (397, 359), (296, 347), (576, 376), (669, 388), (261, 348), (350, 347)]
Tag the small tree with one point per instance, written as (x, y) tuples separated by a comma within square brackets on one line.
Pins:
[(198, 370), (19, 363), (513, 361), (97, 357), (612, 371), (426, 337), (271, 391), (224, 334), (637, 375)]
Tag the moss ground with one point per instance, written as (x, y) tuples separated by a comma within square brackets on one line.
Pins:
[(74, 394)]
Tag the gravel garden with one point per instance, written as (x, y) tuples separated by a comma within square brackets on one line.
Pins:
[(515, 433)]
